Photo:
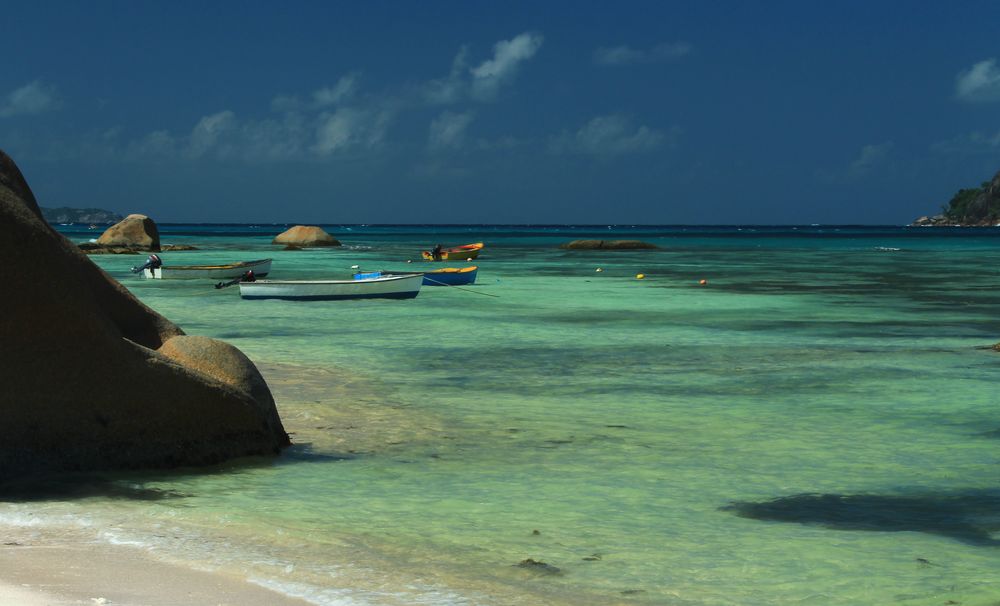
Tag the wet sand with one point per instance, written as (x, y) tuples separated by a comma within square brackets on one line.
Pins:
[(47, 573)]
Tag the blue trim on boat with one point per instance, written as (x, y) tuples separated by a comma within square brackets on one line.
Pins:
[(455, 278)]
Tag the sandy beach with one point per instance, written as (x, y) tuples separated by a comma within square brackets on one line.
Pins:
[(44, 573)]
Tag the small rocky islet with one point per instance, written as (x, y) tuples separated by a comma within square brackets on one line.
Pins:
[(132, 235), (969, 207)]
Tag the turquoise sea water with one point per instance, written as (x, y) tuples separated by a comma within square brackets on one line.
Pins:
[(818, 424)]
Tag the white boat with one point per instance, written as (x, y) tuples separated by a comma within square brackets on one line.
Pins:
[(260, 267), (383, 287)]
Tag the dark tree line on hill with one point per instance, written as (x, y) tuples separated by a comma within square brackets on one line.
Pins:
[(976, 205)]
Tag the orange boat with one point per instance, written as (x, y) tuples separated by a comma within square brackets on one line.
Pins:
[(457, 253)]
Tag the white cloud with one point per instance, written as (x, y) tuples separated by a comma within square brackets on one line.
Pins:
[(483, 82), (345, 89), (339, 118), (489, 76), (158, 143), (974, 143), (979, 83), (625, 55), (869, 158), (617, 55), (223, 136), (451, 89), (273, 139), (210, 132), (33, 98), (447, 131), (332, 95), (286, 103), (608, 136), (350, 127)]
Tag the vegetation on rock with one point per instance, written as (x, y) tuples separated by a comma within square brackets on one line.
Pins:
[(970, 206)]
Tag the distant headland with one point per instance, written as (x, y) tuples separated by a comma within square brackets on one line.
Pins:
[(973, 207), (90, 216)]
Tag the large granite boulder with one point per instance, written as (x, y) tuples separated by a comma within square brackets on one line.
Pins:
[(305, 235), (91, 378), (607, 245), (137, 232)]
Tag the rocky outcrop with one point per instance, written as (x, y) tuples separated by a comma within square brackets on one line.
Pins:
[(305, 236), (971, 207), (93, 379), (608, 245), (136, 232), (935, 221)]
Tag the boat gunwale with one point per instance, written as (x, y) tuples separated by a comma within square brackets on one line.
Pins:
[(237, 265), (453, 270), (383, 278)]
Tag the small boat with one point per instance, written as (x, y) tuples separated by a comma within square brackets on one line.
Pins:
[(451, 276), (387, 286), (260, 268), (456, 253)]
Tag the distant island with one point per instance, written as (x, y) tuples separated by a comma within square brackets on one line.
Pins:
[(95, 216), (976, 206)]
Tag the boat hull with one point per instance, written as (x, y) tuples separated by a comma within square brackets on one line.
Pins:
[(456, 253), (385, 287), (451, 276), (228, 271)]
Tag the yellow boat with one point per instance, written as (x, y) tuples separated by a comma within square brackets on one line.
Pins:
[(456, 253)]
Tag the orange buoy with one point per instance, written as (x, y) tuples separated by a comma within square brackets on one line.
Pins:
[(703, 281)]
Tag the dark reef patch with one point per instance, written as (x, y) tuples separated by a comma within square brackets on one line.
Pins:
[(969, 517)]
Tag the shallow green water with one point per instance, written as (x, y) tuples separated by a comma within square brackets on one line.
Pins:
[(642, 428)]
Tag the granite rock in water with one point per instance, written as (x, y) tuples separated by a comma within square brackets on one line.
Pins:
[(305, 235), (608, 245), (93, 379), (137, 232)]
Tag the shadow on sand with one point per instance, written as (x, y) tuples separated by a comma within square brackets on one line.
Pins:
[(132, 485), (969, 516), (63, 487)]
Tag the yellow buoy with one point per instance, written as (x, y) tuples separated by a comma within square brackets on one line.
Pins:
[(598, 270), (640, 276)]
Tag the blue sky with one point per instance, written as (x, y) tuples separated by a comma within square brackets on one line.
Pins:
[(486, 112)]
